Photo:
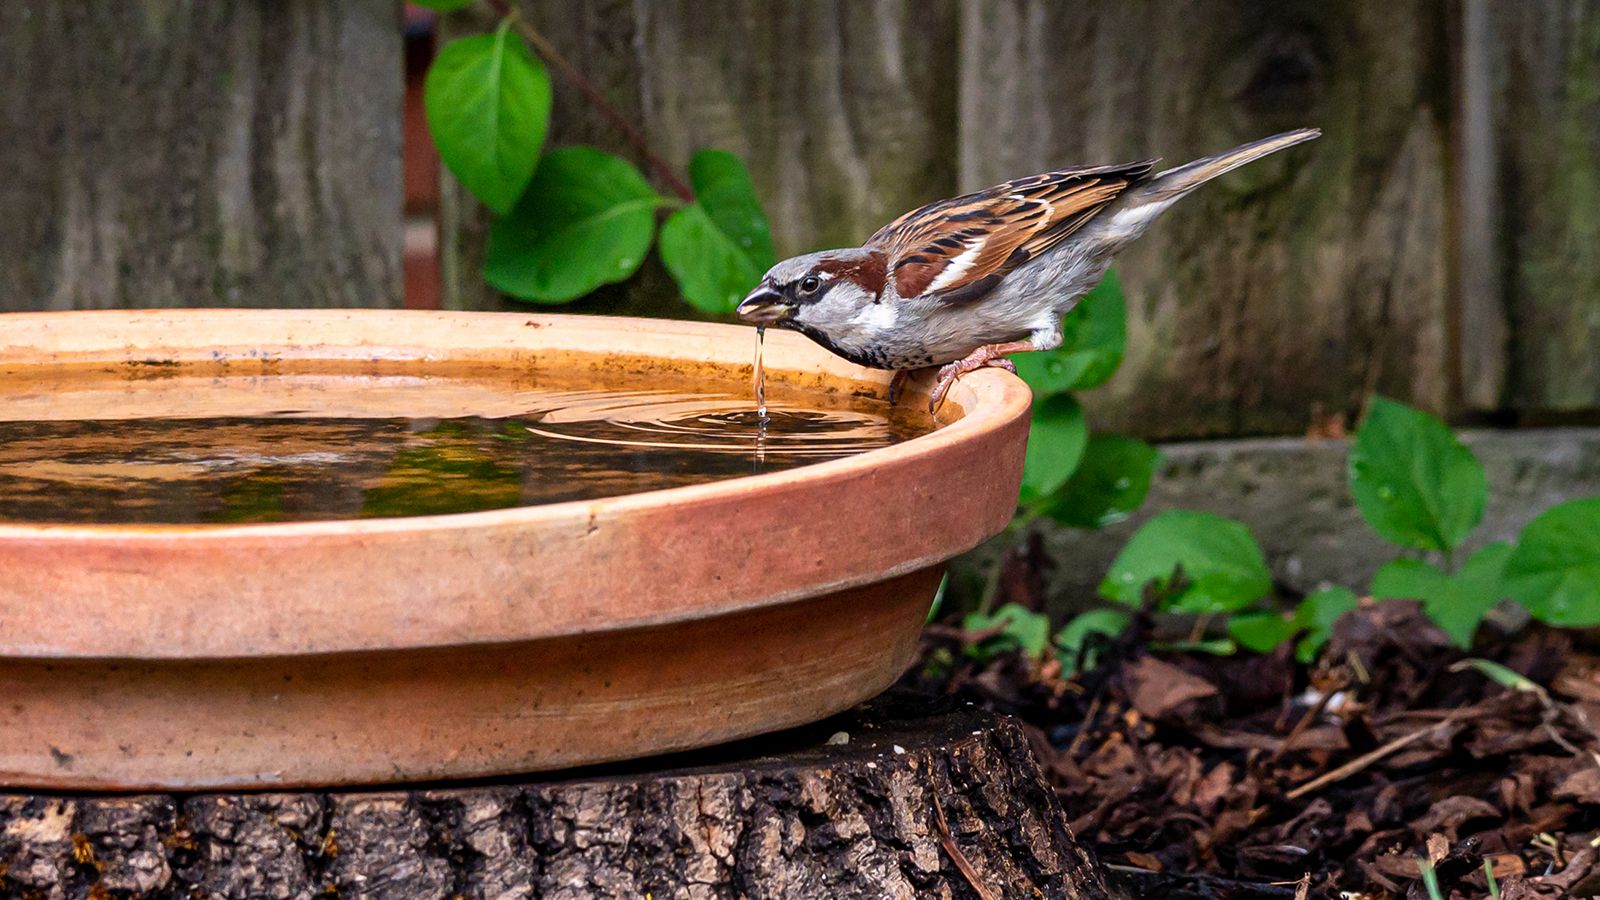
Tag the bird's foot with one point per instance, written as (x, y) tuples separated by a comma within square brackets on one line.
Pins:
[(987, 355)]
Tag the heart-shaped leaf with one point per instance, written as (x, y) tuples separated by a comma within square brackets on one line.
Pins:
[(1094, 337), (1413, 481), (487, 101), (1109, 483), (1456, 603), (1555, 570), (1056, 441), (1223, 568), (586, 220), (718, 247)]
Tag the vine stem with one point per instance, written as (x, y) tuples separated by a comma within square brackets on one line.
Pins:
[(596, 99)]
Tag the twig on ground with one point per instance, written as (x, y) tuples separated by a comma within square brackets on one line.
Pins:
[(1365, 760), (1299, 728), (1087, 725)]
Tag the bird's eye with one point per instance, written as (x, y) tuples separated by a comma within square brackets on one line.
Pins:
[(809, 284)]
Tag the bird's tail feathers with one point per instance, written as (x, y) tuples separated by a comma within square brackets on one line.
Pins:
[(1174, 183)]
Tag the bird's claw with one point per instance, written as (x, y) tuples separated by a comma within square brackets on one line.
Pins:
[(980, 358)]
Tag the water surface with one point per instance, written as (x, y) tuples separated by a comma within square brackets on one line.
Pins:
[(266, 449)]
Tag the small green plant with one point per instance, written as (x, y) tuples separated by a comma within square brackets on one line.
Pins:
[(1015, 628), (572, 220), (1419, 487)]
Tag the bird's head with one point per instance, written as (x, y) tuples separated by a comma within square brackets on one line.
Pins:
[(817, 292)]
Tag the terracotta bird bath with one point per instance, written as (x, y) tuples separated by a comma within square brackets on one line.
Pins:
[(471, 644)]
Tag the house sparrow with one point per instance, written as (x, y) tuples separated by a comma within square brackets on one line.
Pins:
[(963, 282)]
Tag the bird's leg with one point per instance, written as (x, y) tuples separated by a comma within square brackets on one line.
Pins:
[(987, 355)]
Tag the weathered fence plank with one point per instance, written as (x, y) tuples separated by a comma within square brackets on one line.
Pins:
[(1310, 277), (844, 111), (200, 154), (1546, 123)]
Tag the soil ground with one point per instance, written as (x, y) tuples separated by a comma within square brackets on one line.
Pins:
[(1251, 776)]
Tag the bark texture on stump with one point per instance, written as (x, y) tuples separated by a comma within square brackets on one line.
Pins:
[(918, 804)]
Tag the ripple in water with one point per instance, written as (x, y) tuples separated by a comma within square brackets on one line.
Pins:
[(317, 461)]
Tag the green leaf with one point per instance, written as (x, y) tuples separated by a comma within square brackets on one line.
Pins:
[(1211, 646), (487, 101), (1413, 481), (718, 247), (1056, 441), (444, 6), (1223, 568), (586, 220), (1316, 615), (1073, 637), (1022, 629), (1505, 676), (1109, 483), (1456, 603), (1263, 631), (1094, 336), (1555, 571)]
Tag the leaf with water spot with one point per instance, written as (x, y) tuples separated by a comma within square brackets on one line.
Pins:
[(1223, 567), (1108, 485), (1413, 481), (718, 247), (1555, 570), (587, 219)]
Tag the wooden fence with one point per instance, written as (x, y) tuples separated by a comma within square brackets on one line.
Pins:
[(1440, 243)]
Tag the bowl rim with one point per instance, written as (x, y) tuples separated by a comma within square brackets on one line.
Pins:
[(209, 591)]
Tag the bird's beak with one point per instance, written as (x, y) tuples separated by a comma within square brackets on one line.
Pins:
[(764, 306)]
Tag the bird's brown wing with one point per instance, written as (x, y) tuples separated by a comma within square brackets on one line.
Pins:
[(958, 249)]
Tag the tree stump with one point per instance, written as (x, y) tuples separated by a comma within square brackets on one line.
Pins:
[(921, 801)]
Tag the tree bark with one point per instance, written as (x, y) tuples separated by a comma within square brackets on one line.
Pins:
[(920, 803)]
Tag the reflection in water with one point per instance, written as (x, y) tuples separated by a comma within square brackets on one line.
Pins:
[(307, 464)]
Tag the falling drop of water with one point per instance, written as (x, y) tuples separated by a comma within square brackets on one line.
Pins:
[(761, 380)]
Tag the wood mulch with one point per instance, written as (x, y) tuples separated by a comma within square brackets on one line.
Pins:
[(1254, 777)]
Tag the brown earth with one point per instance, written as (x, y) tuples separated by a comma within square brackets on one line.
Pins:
[(1252, 777)]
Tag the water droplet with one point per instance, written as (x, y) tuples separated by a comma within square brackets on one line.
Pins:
[(1122, 484), (1127, 577), (1385, 492), (624, 263)]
